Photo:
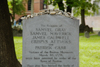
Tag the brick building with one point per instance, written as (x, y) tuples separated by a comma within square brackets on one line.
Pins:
[(38, 5)]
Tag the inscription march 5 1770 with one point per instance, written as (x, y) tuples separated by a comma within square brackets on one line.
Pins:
[(50, 41)]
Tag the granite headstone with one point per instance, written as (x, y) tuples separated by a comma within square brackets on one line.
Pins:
[(99, 33), (50, 41), (86, 34)]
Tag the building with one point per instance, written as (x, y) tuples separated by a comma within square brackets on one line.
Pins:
[(37, 5)]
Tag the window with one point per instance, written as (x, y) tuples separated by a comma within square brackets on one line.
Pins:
[(29, 4)]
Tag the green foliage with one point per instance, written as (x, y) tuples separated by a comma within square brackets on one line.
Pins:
[(95, 8), (49, 2), (90, 8), (18, 7), (53, 2), (10, 5), (58, 3), (72, 3)]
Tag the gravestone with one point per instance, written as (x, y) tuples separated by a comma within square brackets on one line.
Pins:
[(50, 41), (99, 33), (86, 34)]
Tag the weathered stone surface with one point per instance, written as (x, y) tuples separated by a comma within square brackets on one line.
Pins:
[(86, 34), (66, 14), (99, 33), (51, 12), (59, 13), (50, 41)]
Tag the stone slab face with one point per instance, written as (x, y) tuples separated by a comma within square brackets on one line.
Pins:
[(99, 33), (50, 41)]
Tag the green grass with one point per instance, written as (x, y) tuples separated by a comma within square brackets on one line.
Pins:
[(18, 47), (82, 34), (89, 50)]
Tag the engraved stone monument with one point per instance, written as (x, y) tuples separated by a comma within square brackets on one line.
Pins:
[(50, 41)]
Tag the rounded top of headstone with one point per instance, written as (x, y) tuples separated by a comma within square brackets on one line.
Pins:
[(86, 34), (51, 12), (99, 33)]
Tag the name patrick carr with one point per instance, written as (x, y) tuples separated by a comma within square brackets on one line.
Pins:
[(50, 47)]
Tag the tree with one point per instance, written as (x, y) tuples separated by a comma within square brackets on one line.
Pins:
[(69, 3), (32, 7), (85, 8), (16, 7), (60, 4), (82, 7), (56, 2), (7, 50)]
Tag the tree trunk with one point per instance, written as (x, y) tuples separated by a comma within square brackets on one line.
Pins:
[(83, 17), (82, 25), (32, 7), (69, 9), (61, 5), (7, 50)]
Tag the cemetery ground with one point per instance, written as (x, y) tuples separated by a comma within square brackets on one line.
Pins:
[(89, 50)]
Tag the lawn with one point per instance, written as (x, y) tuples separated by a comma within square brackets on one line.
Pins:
[(18, 47), (89, 50)]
